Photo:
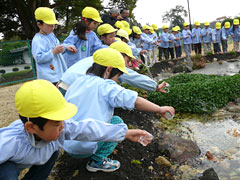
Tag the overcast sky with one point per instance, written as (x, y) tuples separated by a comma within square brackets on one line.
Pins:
[(151, 11)]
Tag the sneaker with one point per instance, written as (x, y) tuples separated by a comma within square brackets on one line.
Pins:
[(107, 165)]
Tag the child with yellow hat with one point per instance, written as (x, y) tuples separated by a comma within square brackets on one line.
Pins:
[(34, 141), (187, 39), (83, 37), (106, 34), (216, 38), (235, 32), (100, 94), (165, 41), (206, 37), (226, 32), (196, 38), (46, 48)]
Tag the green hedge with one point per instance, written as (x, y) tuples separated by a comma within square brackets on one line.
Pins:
[(198, 93)]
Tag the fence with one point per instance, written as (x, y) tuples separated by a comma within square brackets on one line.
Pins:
[(16, 62)]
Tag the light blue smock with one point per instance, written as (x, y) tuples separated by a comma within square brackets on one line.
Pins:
[(146, 41), (178, 42), (206, 38), (49, 67), (186, 37), (171, 37), (96, 98), (133, 79), (165, 40), (236, 33), (84, 48), (196, 32), (225, 33), (216, 36), (17, 146), (136, 51)]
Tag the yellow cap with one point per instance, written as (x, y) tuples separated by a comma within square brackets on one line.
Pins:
[(122, 47), (154, 26), (206, 23), (40, 98), (125, 24), (136, 30), (218, 25), (236, 22), (105, 29), (91, 13), (146, 27), (46, 15), (117, 39), (129, 31), (227, 25), (110, 57), (123, 33), (119, 24), (165, 27), (151, 30), (197, 23), (185, 24), (175, 29), (178, 28)]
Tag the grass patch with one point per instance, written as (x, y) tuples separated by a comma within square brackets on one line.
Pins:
[(18, 73)]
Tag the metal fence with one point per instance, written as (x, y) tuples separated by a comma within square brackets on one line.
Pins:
[(16, 62)]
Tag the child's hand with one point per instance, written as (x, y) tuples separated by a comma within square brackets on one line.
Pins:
[(189, 33), (58, 49), (164, 109), (161, 86), (72, 49), (135, 134), (206, 33), (170, 41), (143, 51)]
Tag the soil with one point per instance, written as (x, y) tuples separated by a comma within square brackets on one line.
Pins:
[(125, 153)]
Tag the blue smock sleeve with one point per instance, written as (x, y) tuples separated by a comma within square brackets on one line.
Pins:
[(138, 80)]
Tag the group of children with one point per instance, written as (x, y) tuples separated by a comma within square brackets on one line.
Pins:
[(85, 69), (197, 37)]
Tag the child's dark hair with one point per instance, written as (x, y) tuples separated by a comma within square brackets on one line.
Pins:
[(99, 70), (40, 21), (122, 38), (80, 28), (133, 35), (39, 121)]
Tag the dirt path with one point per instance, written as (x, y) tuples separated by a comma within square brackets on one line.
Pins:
[(8, 112)]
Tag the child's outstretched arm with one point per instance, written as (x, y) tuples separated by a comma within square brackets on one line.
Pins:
[(135, 134), (145, 105)]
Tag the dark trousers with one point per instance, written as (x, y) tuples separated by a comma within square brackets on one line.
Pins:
[(160, 54), (198, 48), (216, 47), (166, 53), (142, 58), (9, 170), (171, 52), (178, 51), (224, 46)]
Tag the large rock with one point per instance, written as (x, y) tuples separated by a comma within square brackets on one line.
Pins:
[(185, 66), (178, 149), (209, 174)]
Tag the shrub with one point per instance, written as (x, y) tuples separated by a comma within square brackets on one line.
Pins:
[(198, 93), (26, 67), (2, 71), (15, 69)]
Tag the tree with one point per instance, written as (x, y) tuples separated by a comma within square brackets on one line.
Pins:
[(175, 16)]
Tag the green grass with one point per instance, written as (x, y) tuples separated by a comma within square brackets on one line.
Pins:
[(18, 73)]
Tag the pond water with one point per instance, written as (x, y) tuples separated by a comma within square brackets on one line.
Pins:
[(218, 134)]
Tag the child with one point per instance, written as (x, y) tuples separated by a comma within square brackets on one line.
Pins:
[(187, 41), (225, 35), (34, 141), (171, 44), (82, 37), (236, 34), (107, 34), (46, 48), (216, 37), (100, 93), (155, 37), (207, 37), (165, 41), (196, 38)]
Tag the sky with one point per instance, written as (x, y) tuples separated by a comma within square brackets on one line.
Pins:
[(151, 11)]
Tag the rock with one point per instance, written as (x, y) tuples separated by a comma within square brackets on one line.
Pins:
[(162, 161), (215, 59), (178, 149), (184, 66), (209, 174), (232, 108), (220, 62)]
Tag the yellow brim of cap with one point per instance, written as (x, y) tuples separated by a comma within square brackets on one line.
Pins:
[(51, 22), (124, 71), (65, 113), (98, 20)]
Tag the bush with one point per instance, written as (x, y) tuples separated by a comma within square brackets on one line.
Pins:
[(26, 67), (198, 93), (15, 69), (2, 71)]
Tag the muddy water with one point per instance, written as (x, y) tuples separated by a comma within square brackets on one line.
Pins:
[(219, 135)]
